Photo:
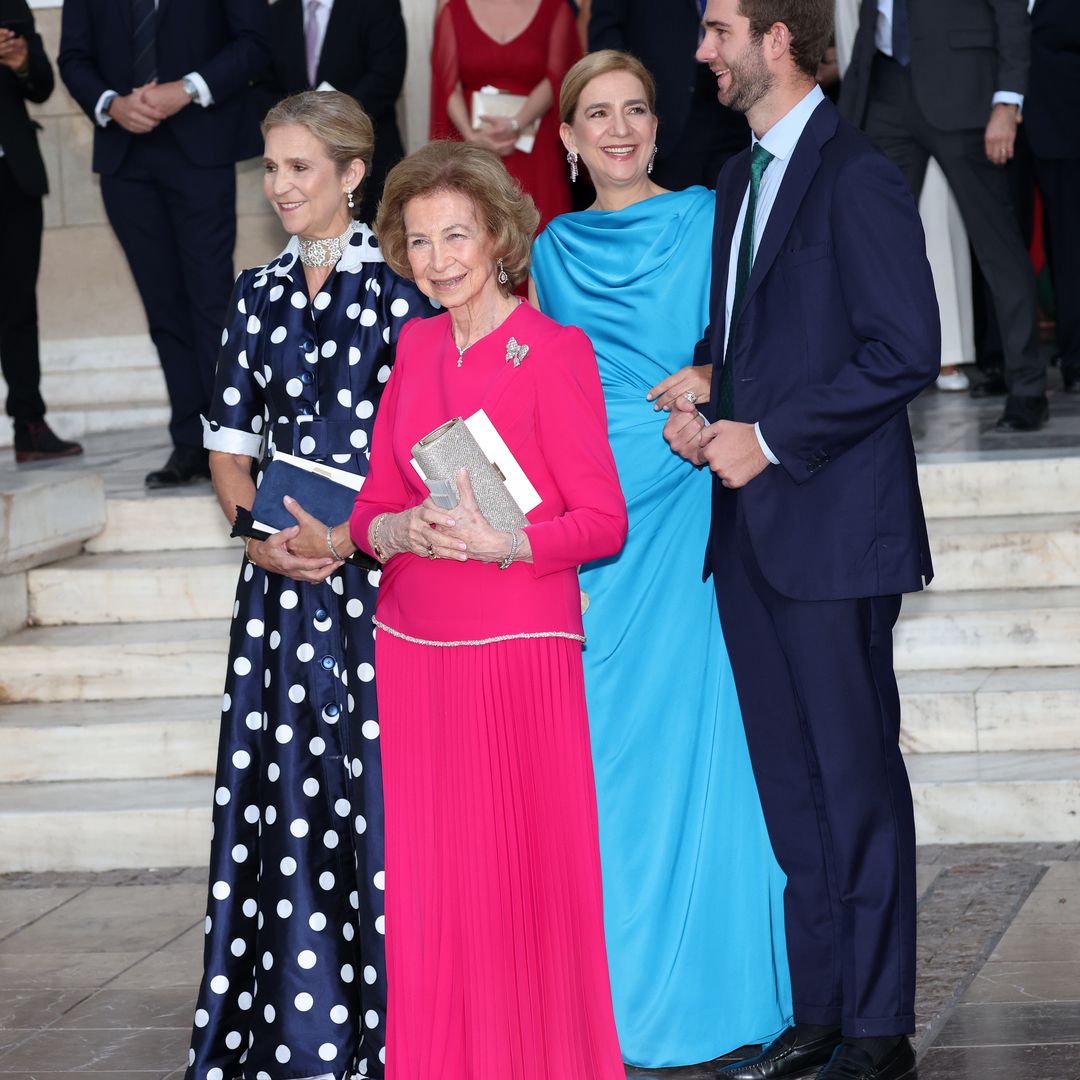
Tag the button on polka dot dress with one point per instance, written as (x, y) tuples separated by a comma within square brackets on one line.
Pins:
[(294, 982)]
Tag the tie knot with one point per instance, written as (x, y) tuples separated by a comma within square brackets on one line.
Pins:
[(759, 159)]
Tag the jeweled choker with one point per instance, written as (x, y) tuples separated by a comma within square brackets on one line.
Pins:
[(325, 252)]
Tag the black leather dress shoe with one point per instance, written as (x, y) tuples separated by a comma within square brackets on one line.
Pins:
[(36, 441), (185, 464), (851, 1063), (993, 385), (787, 1057), (1023, 414)]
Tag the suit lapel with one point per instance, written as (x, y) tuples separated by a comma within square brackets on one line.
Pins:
[(739, 175), (805, 160)]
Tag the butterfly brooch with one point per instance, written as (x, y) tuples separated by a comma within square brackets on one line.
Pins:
[(516, 352)]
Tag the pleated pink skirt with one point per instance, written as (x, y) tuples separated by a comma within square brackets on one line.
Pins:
[(496, 966)]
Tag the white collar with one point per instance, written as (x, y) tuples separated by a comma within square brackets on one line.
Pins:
[(363, 250), (780, 140)]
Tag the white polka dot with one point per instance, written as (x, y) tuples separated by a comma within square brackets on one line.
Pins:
[(241, 759), (352, 311), (255, 627), (242, 359), (317, 921), (304, 653), (283, 1053), (358, 438), (328, 1051), (222, 796), (251, 814), (288, 599), (297, 693), (339, 1014), (288, 866), (364, 409), (326, 881), (354, 355), (304, 1002), (250, 908), (330, 839), (399, 307), (284, 909), (306, 959), (383, 373), (230, 395), (316, 746), (361, 824), (240, 853), (354, 900), (370, 729), (217, 1074), (294, 388), (379, 880), (370, 975), (275, 639), (241, 665), (243, 1002), (268, 963), (253, 721), (365, 672), (238, 947), (272, 773), (298, 300), (283, 733), (299, 828), (253, 324), (368, 317), (202, 1018), (271, 813), (279, 335), (321, 301), (342, 807), (311, 787), (345, 398), (371, 1018), (226, 703), (225, 332), (347, 974), (307, 445), (276, 292), (328, 348), (232, 1041), (380, 924), (219, 984), (347, 932)]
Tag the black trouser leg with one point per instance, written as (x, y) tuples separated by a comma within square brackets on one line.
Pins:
[(1059, 182)]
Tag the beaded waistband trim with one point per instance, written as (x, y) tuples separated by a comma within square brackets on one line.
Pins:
[(479, 641)]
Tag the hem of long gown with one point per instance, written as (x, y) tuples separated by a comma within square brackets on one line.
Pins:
[(682, 1062), (523, 636)]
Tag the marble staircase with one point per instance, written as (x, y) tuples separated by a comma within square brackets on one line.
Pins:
[(109, 698)]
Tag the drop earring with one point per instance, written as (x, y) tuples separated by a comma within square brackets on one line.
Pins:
[(571, 157), (652, 160), (352, 204), (504, 277)]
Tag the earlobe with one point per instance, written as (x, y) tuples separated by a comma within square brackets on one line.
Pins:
[(566, 133)]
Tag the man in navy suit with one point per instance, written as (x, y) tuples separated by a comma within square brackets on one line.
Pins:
[(167, 84), (824, 327)]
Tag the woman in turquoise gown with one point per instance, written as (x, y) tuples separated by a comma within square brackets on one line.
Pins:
[(693, 898)]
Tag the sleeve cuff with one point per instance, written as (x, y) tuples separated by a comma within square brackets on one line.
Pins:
[(1008, 97), (103, 102), (204, 97), (765, 446), (231, 440)]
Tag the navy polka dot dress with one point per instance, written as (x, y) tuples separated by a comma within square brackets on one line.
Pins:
[(294, 982)]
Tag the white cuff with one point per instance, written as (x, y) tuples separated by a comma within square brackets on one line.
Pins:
[(773, 459), (231, 440), (100, 115), (204, 97), (1008, 97)]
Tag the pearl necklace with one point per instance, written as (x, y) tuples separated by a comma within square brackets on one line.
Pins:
[(325, 252)]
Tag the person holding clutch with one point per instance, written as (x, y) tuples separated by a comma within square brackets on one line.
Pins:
[(495, 940), (294, 982)]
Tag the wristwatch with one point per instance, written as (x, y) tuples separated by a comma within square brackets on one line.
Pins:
[(190, 88)]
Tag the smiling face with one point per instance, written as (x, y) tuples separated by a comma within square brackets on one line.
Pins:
[(304, 185), (614, 130), (451, 253), (742, 74)]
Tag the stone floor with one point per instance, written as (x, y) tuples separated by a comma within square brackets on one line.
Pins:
[(98, 973)]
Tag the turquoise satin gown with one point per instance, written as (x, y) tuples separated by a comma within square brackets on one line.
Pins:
[(693, 898)]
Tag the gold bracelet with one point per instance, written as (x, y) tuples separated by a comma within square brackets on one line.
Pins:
[(247, 550), (376, 547)]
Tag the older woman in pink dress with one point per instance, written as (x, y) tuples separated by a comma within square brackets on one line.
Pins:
[(495, 951)]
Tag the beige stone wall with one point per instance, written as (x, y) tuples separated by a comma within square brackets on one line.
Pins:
[(86, 289)]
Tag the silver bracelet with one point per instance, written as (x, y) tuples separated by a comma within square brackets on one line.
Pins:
[(514, 541), (330, 544)]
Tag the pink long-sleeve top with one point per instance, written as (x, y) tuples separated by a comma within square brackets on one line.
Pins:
[(549, 409)]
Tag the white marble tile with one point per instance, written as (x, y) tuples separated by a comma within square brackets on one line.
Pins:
[(985, 484), (134, 524), (14, 607), (130, 386)]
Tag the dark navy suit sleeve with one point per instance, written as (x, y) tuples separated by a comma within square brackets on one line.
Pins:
[(386, 53), (38, 82), (77, 58), (246, 56), (888, 292), (606, 20), (1014, 45)]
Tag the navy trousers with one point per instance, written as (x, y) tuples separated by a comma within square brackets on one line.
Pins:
[(176, 222), (822, 714)]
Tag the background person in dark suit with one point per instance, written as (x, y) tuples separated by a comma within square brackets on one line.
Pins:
[(25, 75), (947, 81), (697, 134), (356, 46), (167, 85), (824, 326)]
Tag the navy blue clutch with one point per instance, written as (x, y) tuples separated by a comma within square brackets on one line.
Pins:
[(320, 489)]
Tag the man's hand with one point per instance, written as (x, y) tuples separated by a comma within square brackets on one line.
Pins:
[(733, 452), (134, 113), (14, 52), (168, 98), (1001, 133), (683, 430)]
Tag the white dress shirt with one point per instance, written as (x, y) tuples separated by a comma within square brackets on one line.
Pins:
[(883, 41), (780, 140), (203, 97)]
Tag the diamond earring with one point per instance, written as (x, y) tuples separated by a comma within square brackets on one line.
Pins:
[(652, 160), (572, 157), (504, 277), (351, 203)]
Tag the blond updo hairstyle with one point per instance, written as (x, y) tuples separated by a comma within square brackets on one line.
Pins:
[(508, 214), (602, 62), (336, 120)]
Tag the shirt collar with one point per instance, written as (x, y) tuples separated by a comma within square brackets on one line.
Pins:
[(781, 138)]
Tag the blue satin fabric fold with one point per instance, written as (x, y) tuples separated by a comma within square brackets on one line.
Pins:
[(693, 898)]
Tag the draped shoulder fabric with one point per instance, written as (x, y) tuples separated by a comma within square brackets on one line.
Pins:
[(693, 898)]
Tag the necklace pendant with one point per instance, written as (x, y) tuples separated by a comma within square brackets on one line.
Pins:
[(459, 360)]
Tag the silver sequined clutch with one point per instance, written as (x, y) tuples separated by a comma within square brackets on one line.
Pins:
[(452, 446)]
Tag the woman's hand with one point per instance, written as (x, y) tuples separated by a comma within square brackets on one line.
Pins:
[(273, 554), (695, 379), (496, 133), (420, 530), (310, 541), (471, 534)]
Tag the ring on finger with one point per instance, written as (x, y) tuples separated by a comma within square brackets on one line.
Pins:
[(431, 552), (690, 396)]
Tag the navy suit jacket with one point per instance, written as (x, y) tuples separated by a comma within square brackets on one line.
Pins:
[(226, 41), (839, 331), (1052, 104), (18, 133)]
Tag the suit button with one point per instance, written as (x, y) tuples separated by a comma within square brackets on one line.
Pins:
[(332, 709), (320, 615), (307, 378), (328, 662)]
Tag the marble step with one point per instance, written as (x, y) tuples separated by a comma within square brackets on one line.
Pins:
[(981, 629), (990, 711), (108, 740), (73, 389), (158, 521), (1018, 552), (118, 587), (1000, 483), (96, 418), (121, 661), (996, 798), (103, 825)]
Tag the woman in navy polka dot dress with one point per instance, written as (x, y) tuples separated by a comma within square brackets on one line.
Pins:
[(294, 983)]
